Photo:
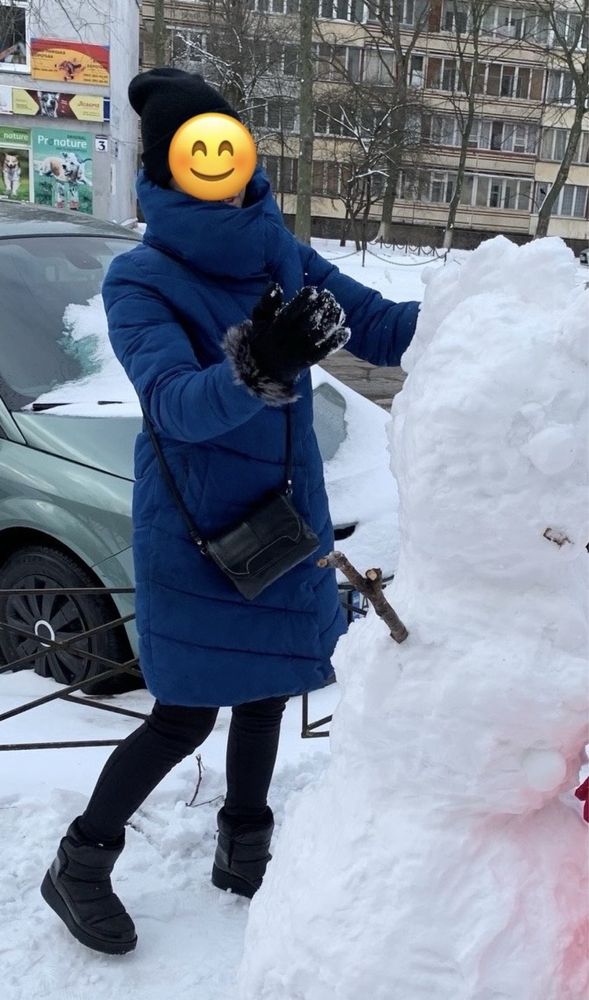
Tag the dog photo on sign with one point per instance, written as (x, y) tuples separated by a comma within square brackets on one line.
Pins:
[(48, 103), (14, 174), (63, 181)]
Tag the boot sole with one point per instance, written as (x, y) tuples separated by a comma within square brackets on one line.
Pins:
[(232, 883), (60, 907)]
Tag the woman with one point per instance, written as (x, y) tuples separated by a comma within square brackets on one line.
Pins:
[(219, 390)]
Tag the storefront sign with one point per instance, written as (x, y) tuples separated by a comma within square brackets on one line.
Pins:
[(71, 62), (50, 104), (15, 163), (63, 169)]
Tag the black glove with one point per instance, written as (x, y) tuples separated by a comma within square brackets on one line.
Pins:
[(271, 350)]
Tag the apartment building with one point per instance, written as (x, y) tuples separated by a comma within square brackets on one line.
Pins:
[(524, 110)]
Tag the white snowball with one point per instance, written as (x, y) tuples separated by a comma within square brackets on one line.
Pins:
[(553, 449)]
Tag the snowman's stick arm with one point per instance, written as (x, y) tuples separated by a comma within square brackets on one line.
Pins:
[(370, 586)]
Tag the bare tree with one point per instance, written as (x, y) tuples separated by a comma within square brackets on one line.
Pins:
[(159, 39), (237, 49), (362, 162), (563, 28), (388, 82), (303, 214)]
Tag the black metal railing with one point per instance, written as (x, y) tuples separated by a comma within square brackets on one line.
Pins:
[(352, 601), (111, 669)]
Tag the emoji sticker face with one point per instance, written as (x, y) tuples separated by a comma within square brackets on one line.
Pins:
[(212, 157)]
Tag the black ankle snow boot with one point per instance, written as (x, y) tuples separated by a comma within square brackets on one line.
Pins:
[(242, 852), (78, 888)]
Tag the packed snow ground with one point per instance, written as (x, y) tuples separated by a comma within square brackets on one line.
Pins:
[(190, 935)]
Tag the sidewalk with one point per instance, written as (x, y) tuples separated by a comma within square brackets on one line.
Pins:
[(377, 384)]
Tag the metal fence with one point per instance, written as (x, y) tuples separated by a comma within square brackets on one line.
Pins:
[(350, 598), (71, 643)]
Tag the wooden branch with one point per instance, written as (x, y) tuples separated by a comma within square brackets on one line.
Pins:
[(370, 586)]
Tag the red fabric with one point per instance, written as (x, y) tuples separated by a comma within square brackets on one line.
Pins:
[(582, 793)]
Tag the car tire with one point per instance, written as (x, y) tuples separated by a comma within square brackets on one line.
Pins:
[(59, 616)]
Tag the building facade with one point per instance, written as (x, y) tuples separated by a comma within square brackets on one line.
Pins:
[(67, 136), (524, 108)]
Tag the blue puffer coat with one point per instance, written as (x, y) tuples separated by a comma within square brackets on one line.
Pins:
[(201, 269)]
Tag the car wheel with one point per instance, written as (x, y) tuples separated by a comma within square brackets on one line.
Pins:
[(59, 616)]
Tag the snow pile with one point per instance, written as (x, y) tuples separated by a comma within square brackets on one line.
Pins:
[(441, 854), (85, 336)]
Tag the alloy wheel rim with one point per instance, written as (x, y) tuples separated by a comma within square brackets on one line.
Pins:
[(47, 616)]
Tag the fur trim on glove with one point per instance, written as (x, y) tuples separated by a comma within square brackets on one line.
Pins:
[(236, 345)]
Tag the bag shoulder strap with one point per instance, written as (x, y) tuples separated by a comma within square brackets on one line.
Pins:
[(178, 498)]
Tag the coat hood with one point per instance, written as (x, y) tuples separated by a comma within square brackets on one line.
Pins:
[(217, 239)]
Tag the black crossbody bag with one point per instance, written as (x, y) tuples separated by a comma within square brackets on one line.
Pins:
[(270, 541)]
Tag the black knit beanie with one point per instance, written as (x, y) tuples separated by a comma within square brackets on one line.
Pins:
[(165, 99)]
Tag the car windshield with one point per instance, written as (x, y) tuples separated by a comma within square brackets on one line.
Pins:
[(52, 323)]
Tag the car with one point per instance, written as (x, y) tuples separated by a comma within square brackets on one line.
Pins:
[(584, 257), (68, 422)]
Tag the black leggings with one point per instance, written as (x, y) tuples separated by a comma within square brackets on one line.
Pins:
[(171, 733)]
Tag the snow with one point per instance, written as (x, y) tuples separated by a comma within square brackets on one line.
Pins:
[(441, 819), (441, 853), (85, 334), (188, 930)]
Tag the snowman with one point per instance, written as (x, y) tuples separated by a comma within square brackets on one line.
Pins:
[(442, 855)]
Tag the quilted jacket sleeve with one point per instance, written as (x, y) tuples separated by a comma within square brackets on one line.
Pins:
[(184, 401), (381, 330)]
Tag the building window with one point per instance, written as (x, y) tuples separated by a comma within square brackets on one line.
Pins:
[(14, 37), (326, 179), (334, 120), (456, 17), (506, 21), (560, 87), (337, 62), (416, 71), (275, 116), (505, 193), (290, 61), (571, 30), (503, 136), (339, 10), (478, 190), (414, 12), (379, 67), (282, 173), (554, 143), (510, 81), (514, 22), (438, 187), (516, 138), (274, 6), (443, 74), (378, 11), (571, 201)]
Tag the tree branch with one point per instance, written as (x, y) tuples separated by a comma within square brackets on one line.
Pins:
[(370, 586)]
